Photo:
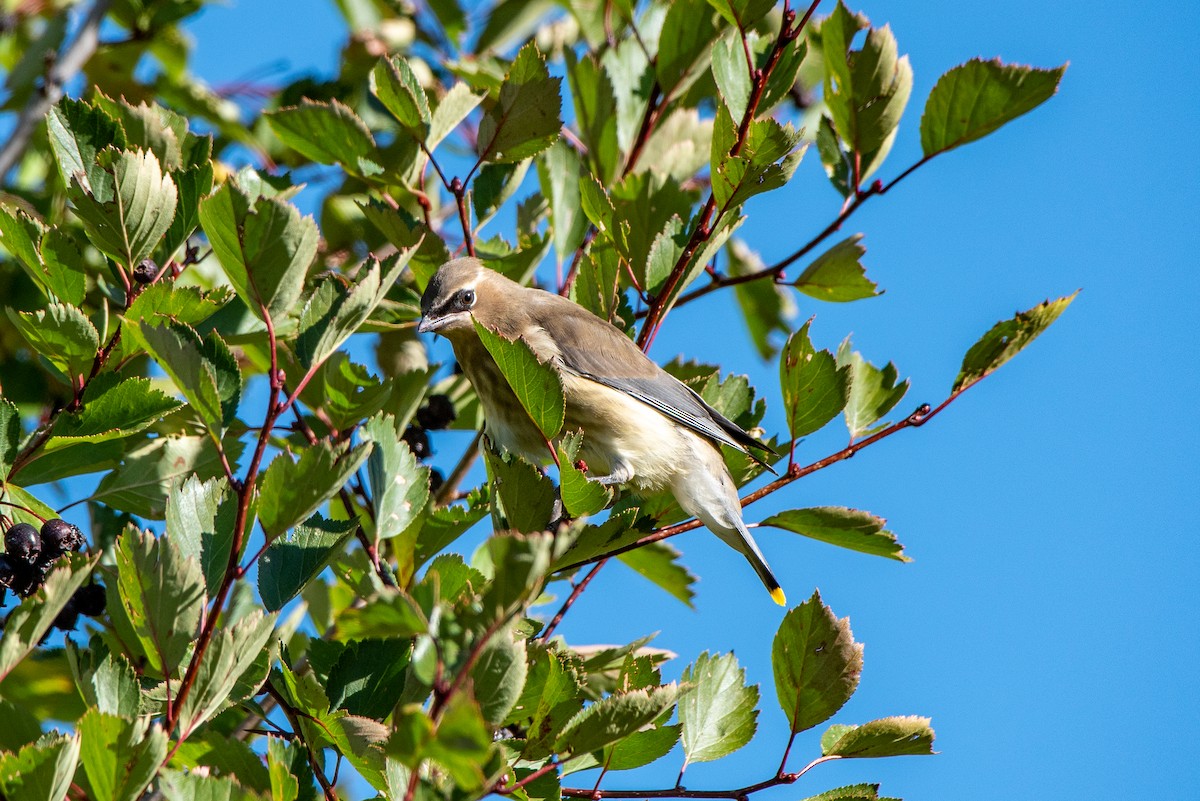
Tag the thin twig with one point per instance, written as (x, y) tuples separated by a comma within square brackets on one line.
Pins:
[(571, 599)]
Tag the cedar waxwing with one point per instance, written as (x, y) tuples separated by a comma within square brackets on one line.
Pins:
[(641, 426)]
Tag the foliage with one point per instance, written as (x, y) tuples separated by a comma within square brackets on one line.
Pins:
[(282, 597)]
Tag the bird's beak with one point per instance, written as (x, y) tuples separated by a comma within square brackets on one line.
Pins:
[(427, 325)]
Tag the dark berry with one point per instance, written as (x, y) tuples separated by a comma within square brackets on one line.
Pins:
[(59, 537), (23, 543), (145, 272), (89, 600), (418, 441), (67, 618), (436, 480), (8, 571), (437, 413)]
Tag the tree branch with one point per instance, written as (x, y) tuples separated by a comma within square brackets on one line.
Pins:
[(66, 65)]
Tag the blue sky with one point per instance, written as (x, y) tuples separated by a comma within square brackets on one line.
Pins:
[(1048, 622)]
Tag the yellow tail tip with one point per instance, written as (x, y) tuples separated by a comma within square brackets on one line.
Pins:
[(778, 597)]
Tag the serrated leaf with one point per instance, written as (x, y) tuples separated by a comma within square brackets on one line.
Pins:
[(292, 490), (10, 435), (333, 312), (523, 498), (494, 186), (742, 14), (398, 89), (536, 385), (451, 110), (115, 687), (78, 132), (595, 112), (873, 392), (816, 663), (120, 757), (719, 715), (683, 46), (264, 246), (527, 116), (368, 678), (180, 786), (559, 171), (614, 718), (328, 133), (200, 519), (234, 651), (462, 742), (399, 485), (498, 676), (51, 257), (848, 528), (518, 565), (290, 562), (41, 770), (657, 562), (28, 623), (838, 275), (162, 593), (766, 160), (140, 485), (164, 301), (128, 210), (62, 334), (814, 387), (731, 73), (179, 350), (906, 735), (1006, 339), (111, 409), (974, 99), (854, 792), (192, 184)]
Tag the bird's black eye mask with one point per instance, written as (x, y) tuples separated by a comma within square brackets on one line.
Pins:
[(460, 301)]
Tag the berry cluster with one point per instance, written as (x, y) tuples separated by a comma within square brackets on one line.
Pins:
[(29, 556), (437, 413)]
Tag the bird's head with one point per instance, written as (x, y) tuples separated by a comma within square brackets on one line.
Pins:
[(452, 296)]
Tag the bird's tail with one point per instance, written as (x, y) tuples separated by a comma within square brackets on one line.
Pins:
[(739, 538)]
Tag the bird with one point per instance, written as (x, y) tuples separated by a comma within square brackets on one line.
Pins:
[(642, 427)]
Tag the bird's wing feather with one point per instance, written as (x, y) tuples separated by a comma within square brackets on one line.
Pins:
[(593, 349)]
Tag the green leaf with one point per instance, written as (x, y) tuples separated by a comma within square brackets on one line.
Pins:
[(162, 593), (62, 334), (595, 112), (120, 757), (866, 90), (854, 792), (115, 687), (128, 210), (816, 662), (333, 312), (732, 74), (393, 82), (974, 99), (165, 301), (742, 14), (193, 184), (292, 490), (394, 615), (494, 186), (290, 562), (559, 172), (21, 726), (632, 77), (51, 257), (111, 409), (10, 435), (720, 714), (78, 132), (462, 742), (766, 307), (498, 676), (848, 528), (41, 770), (906, 735), (29, 622), (264, 246), (235, 650), (838, 275), (612, 719), (641, 748), (814, 387), (536, 385), (766, 160), (140, 485), (527, 116), (683, 46), (200, 520), (368, 677), (873, 392), (179, 786), (327, 133), (657, 562), (453, 108), (518, 565), (1006, 339), (179, 350), (523, 497), (349, 393), (399, 485)]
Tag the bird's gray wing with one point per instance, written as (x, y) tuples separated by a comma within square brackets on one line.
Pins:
[(594, 349)]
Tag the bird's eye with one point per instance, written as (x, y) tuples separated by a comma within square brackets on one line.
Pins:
[(466, 299)]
